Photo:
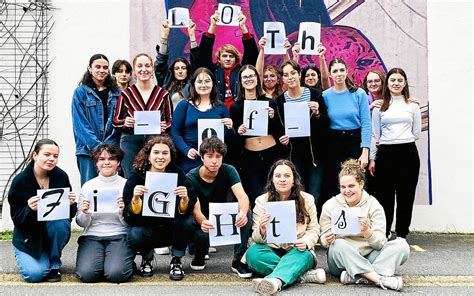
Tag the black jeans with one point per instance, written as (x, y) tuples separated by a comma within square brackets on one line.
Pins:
[(144, 238), (396, 173)]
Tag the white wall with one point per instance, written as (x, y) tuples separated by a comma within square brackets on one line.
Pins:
[(83, 28)]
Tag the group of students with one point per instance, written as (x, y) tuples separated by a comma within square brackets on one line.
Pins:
[(257, 169)]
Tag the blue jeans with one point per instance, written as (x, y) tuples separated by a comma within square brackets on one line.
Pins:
[(131, 145), (87, 168), (34, 269)]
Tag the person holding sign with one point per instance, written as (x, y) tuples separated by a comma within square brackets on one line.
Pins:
[(213, 181), (366, 255), (38, 245), (272, 83), (141, 96), (311, 75), (255, 154), (228, 57), (349, 134), (144, 232), (93, 107), (395, 162), (175, 77), (307, 153), (203, 103), (283, 264), (103, 251)]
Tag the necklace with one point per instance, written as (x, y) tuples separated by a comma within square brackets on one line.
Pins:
[(43, 184)]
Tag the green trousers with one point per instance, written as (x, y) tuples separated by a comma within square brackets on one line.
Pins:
[(287, 266)]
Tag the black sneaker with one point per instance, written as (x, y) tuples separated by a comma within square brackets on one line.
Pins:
[(392, 236), (198, 263), (176, 269), (241, 269), (54, 275), (146, 269)]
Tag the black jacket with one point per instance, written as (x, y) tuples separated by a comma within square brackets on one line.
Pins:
[(29, 234)]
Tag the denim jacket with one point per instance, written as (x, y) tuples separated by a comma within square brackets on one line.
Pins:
[(88, 120)]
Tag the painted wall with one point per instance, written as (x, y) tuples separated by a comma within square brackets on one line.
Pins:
[(83, 28)]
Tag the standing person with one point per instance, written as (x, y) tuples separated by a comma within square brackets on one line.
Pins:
[(311, 75), (372, 84), (229, 58), (366, 256), (283, 264), (308, 154), (38, 245), (122, 73), (103, 251), (203, 102), (175, 77), (213, 181), (93, 106), (255, 155), (146, 233), (395, 163), (142, 96), (349, 115)]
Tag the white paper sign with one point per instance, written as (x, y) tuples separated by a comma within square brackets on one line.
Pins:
[(345, 220), (229, 14), (208, 128), (160, 200), (147, 122), (223, 216), (103, 200), (53, 204), (178, 17), (297, 121), (256, 117), (282, 225), (275, 33), (309, 37)]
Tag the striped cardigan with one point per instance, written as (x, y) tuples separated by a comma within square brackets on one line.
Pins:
[(130, 100)]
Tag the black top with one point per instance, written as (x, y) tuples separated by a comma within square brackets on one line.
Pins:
[(137, 178), (29, 234), (104, 96)]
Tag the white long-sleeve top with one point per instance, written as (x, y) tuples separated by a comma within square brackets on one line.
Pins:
[(101, 224), (399, 124)]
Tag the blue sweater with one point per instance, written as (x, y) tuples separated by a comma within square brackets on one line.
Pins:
[(184, 129), (348, 111)]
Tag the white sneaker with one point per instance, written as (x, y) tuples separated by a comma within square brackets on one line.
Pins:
[(346, 279), (162, 251), (266, 286), (317, 276), (212, 250), (391, 282)]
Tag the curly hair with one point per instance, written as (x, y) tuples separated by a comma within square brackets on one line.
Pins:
[(352, 168), (302, 214), (279, 85), (213, 144), (141, 163)]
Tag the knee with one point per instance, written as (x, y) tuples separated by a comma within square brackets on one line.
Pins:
[(34, 274), (339, 247), (399, 246), (118, 275), (87, 276), (135, 236)]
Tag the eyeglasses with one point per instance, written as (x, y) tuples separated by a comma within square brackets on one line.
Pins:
[(249, 77), (373, 81)]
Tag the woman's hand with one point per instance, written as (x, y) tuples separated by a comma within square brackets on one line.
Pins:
[(182, 192), (414, 100), (262, 42), (129, 121), (314, 107), (241, 219), (72, 198), (321, 50), (330, 237), (85, 204), (227, 122), (206, 225), (365, 227), (284, 140), (242, 129), (33, 203), (165, 30), (296, 48), (192, 153), (372, 167), (271, 112), (120, 204), (287, 44), (242, 19), (376, 104), (163, 126), (300, 245), (138, 192), (364, 158), (192, 29), (264, 219)]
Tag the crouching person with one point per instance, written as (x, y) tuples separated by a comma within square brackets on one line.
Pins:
[(366, 256), (284, 264), (103, 252)]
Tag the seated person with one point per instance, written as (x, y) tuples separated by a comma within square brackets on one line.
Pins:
[(103, 251), (366, 256), (284, 264), (212, 182), (146, 233)]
